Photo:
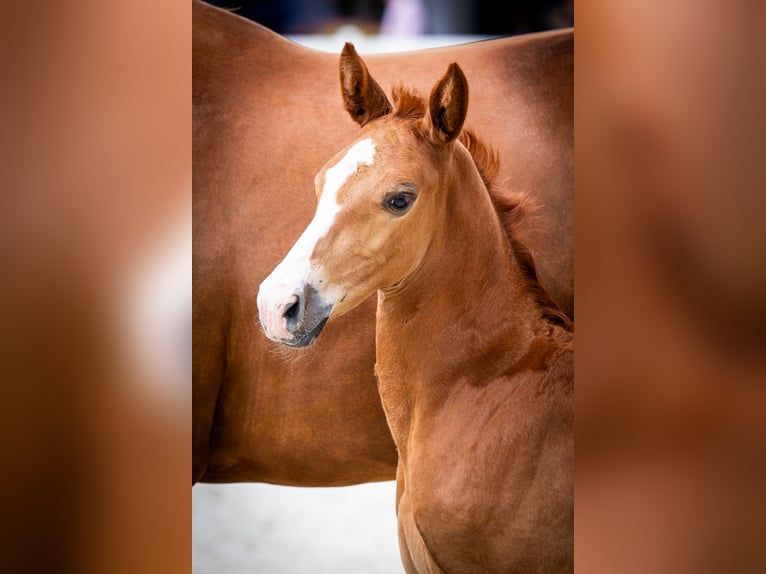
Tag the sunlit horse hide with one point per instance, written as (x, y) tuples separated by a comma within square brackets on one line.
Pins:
[(474, 360), (266, 116)]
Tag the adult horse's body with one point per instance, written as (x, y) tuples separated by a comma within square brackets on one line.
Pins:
[(476, 376), (265, 118)]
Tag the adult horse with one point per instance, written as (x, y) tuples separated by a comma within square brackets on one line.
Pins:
[(476, 376), (265, 118)]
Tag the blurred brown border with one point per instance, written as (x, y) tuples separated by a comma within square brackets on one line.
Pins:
[(95, 166), (670, 287)]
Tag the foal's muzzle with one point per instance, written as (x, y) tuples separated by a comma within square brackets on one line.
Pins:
[(296, 319)]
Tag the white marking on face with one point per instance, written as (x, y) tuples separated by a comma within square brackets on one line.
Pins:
[(293, 271), (361, 153)]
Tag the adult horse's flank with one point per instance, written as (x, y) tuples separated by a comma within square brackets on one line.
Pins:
[(265, 119), (474, 360)]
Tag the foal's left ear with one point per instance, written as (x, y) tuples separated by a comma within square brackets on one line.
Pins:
[(363, 98), (448, 105)]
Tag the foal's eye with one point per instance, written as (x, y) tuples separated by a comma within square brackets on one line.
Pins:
[(398, 202)]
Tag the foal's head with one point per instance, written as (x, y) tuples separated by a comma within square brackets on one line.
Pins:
[(379, 201)]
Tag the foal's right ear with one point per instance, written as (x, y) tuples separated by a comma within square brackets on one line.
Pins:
[(363, 98), (448, 104)]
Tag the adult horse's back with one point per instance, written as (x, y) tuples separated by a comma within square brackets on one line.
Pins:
[(266, 117)]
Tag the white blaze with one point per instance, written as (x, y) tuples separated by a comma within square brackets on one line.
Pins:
[(293, 271), (361, 153)]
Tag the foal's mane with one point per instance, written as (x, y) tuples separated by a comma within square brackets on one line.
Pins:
[(510, 207)]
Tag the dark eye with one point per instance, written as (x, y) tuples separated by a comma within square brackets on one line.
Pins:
[(399, 201)]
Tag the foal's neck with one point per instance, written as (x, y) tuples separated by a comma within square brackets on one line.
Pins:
[(467, 311)]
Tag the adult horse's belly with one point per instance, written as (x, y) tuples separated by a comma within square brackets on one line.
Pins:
[(267, 115)]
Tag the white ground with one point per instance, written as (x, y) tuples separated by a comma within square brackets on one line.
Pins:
[(267, 529)]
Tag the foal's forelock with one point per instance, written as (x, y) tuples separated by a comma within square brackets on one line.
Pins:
[(408, 104)]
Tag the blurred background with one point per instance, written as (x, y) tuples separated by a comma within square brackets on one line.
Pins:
[(406, 17)]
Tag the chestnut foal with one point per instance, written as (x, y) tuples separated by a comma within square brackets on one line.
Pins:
[(474, 361)]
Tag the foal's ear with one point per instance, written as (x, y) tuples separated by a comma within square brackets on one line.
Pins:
[(448, 104), (363, 98)]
